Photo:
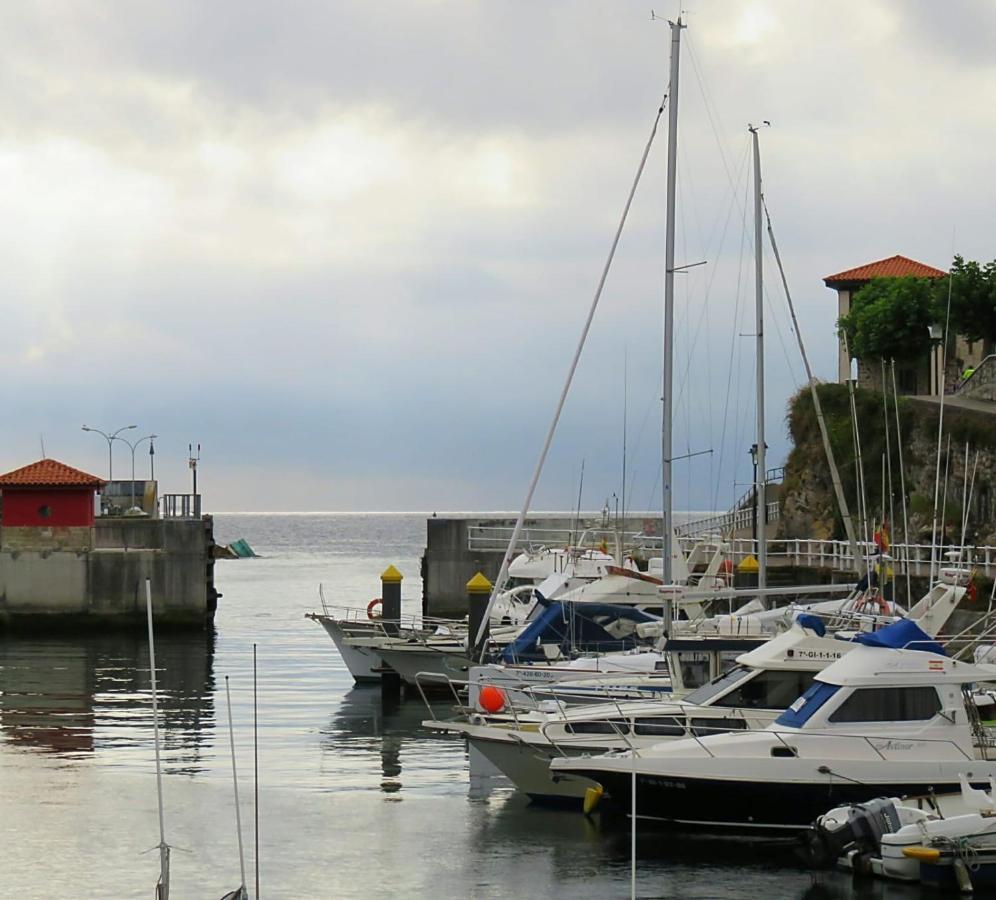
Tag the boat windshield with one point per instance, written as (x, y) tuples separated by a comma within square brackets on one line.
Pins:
[(703, 696), (800, 712)]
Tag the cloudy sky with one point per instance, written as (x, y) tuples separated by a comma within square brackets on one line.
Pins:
[(348, 247)]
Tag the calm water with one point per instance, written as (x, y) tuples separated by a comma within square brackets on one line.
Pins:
[(354, 801)]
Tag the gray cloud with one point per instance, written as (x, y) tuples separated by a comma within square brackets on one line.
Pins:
[(349, 247)]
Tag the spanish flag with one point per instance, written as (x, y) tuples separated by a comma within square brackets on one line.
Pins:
[(882, 539)]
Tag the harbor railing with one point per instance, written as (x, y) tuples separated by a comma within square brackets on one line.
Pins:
[(180, 506)]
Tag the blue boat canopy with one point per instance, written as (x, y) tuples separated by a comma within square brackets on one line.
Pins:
[(904, 634), (578, 628), (813, 623)]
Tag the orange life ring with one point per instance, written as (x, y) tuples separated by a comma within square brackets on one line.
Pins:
[(372, 605)]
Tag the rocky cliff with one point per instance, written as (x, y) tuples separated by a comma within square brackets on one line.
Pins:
[(809, 508)]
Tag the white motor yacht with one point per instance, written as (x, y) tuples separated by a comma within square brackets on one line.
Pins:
[(879, 721)]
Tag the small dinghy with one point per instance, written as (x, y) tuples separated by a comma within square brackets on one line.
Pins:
[(912, 839)]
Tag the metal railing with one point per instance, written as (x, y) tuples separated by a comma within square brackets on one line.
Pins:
[(737, 519), (180, 506), (991, 359), (834, 554), (533, 538)]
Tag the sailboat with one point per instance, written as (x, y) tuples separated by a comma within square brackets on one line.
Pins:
[(162, 884)]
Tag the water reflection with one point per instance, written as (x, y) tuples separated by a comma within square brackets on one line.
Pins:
[(74, 696), (388, 736)]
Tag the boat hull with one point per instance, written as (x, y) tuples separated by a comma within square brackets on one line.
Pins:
[(362, 662), (426, 667), (733, 806), (527, 766)]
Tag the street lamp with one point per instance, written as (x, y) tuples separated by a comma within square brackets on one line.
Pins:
[(110, 438), (148, 437)]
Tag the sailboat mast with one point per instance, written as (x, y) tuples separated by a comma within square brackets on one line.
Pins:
[(162, 889), (667, 523), (759, 492)]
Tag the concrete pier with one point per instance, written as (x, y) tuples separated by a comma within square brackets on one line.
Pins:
[(68, 578)]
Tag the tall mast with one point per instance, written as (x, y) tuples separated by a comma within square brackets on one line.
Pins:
[(162, 887), (760, 499), (667, 524)]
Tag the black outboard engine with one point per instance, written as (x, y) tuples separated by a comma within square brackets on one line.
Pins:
[(856, 829)]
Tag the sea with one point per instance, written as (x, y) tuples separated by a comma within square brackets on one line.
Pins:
[(342, 799)]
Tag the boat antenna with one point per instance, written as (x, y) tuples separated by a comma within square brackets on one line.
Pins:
[(576, 530), (255, 765), (162, 886), (902, 487), (944, 502), (621, 520), (235, 782), (940, 427), (499, 584)]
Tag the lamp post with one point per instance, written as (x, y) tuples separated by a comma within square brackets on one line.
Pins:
[(110, 438), (133, 446)]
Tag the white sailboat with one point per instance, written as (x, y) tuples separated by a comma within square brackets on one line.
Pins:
[(162, 885)]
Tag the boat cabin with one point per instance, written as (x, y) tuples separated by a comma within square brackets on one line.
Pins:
[(900, 693)]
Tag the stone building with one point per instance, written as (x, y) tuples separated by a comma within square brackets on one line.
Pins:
[(923, 377)]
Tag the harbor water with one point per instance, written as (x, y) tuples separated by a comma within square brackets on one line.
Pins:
[(354, 800)]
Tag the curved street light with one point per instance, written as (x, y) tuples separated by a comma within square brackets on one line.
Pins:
[(134, 445), (110, 438)]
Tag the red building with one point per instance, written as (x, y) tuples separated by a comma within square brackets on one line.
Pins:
[(48, 493)]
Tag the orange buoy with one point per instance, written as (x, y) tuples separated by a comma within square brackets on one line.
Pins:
[(491, 699), (372, 605)]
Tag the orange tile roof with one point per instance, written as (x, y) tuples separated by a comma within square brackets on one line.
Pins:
[(893, 267), (49, 473)]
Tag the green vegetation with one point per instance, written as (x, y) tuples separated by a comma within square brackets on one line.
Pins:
[(973, 299), (890, 318)]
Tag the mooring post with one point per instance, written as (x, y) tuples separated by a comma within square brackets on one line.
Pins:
[(746, 575), (390, 596), (478, 593)]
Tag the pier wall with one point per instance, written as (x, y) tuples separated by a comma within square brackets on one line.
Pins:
[(450, 560), (78, 577)]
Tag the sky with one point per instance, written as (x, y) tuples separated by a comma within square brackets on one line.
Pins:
[(349, 247)]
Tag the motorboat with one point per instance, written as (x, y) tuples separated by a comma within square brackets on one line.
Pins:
[(764, 681), (944, 841), (892, 717)]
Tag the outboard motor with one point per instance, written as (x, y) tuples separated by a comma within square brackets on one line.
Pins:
[(856, 829)]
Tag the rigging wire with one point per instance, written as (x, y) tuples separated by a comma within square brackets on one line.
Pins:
[(513, 540), (733, 339)]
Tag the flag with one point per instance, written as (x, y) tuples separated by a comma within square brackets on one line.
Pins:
[(882, 540)]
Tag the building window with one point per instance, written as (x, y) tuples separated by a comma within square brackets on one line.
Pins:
[(45, 511)]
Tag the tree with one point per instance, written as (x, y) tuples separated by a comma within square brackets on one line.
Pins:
[(973, 299), (890, 318)]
